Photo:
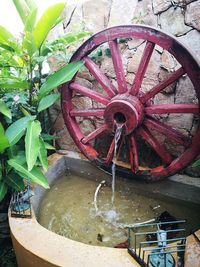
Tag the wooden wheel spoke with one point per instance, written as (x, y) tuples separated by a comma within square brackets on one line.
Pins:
[(168, 131), (142, 68), (87, 112), (133, 154), (172, 108), (118, 66), (110, 153), (94, 133), (90, 93), (100, 76), (153, 142), (162, 85)]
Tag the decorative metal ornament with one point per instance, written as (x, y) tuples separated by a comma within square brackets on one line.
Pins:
[(20, 203)]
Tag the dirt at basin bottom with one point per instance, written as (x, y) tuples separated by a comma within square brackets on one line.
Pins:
[(68, 210)]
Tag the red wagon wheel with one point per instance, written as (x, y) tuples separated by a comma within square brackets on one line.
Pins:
[(133, 105)]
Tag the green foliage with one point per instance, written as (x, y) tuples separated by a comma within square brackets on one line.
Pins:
[(47, 22), (4, 109), (47, 101), (26, 92), (4, 140), (17, 129), (32, 143), (196, 163), (63, 75)]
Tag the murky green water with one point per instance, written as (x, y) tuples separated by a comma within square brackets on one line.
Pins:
[(68, 210)]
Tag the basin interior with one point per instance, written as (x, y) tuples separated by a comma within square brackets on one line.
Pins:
[(68, 208)]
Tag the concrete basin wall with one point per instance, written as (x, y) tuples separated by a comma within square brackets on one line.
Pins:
[(36, 246)]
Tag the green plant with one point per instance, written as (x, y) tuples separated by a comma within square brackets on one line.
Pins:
[(196, 163), (27, 91)]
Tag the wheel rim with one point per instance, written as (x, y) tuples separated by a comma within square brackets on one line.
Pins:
[(130, 105)]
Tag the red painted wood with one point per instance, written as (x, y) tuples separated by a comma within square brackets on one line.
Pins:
[(133, 153), (87, 112), (89, 93), (110, 153), (187, 63), (100, 76), (180, 162), (170, 132), (152, 141), (162, 85), (142, 68), (172, 108), (94, 134), (118, 66)]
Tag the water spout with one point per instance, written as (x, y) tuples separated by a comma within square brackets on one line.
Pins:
[(118, 132)]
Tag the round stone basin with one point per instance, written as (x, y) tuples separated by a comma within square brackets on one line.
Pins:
[(37, 246)]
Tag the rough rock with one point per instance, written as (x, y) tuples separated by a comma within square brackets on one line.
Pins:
[(107, 66), (173, 21), (168, 62), (185, 92), (86, 126), (192, 41), (163, 74), (160, 5), (65, 141), (133, 62), (73, 15), (96, 14), (192, 15), (134, 43), (122, 12), (148, 84), (82, 102), (84, 82), (183, 122), (144, 14), (164, 99)]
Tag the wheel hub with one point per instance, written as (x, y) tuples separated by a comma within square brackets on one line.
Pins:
[(125, 109)]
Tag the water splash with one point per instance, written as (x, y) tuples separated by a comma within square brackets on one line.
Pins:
[(118, 132)]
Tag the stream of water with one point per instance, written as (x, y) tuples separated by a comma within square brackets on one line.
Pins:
[(118, 132)]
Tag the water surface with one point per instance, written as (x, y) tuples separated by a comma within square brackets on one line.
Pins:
[(68, 210)]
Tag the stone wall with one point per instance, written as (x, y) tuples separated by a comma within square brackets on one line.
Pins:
[(179, 17)]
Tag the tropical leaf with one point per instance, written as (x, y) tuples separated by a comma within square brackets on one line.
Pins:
[(196, 163), (15, 181), (17, 129), (24, 111), (4, 109), (4, 143), (29, 43), (31, 4), (7, 47), (30, 21), (32, 144), (5, 35), (49, 137), (0, 171), (63, 75), (22, 9), (3, 190), (47, 101), (43, 155), (35, 174), (8, 83), (46, 22), (49, 146)]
